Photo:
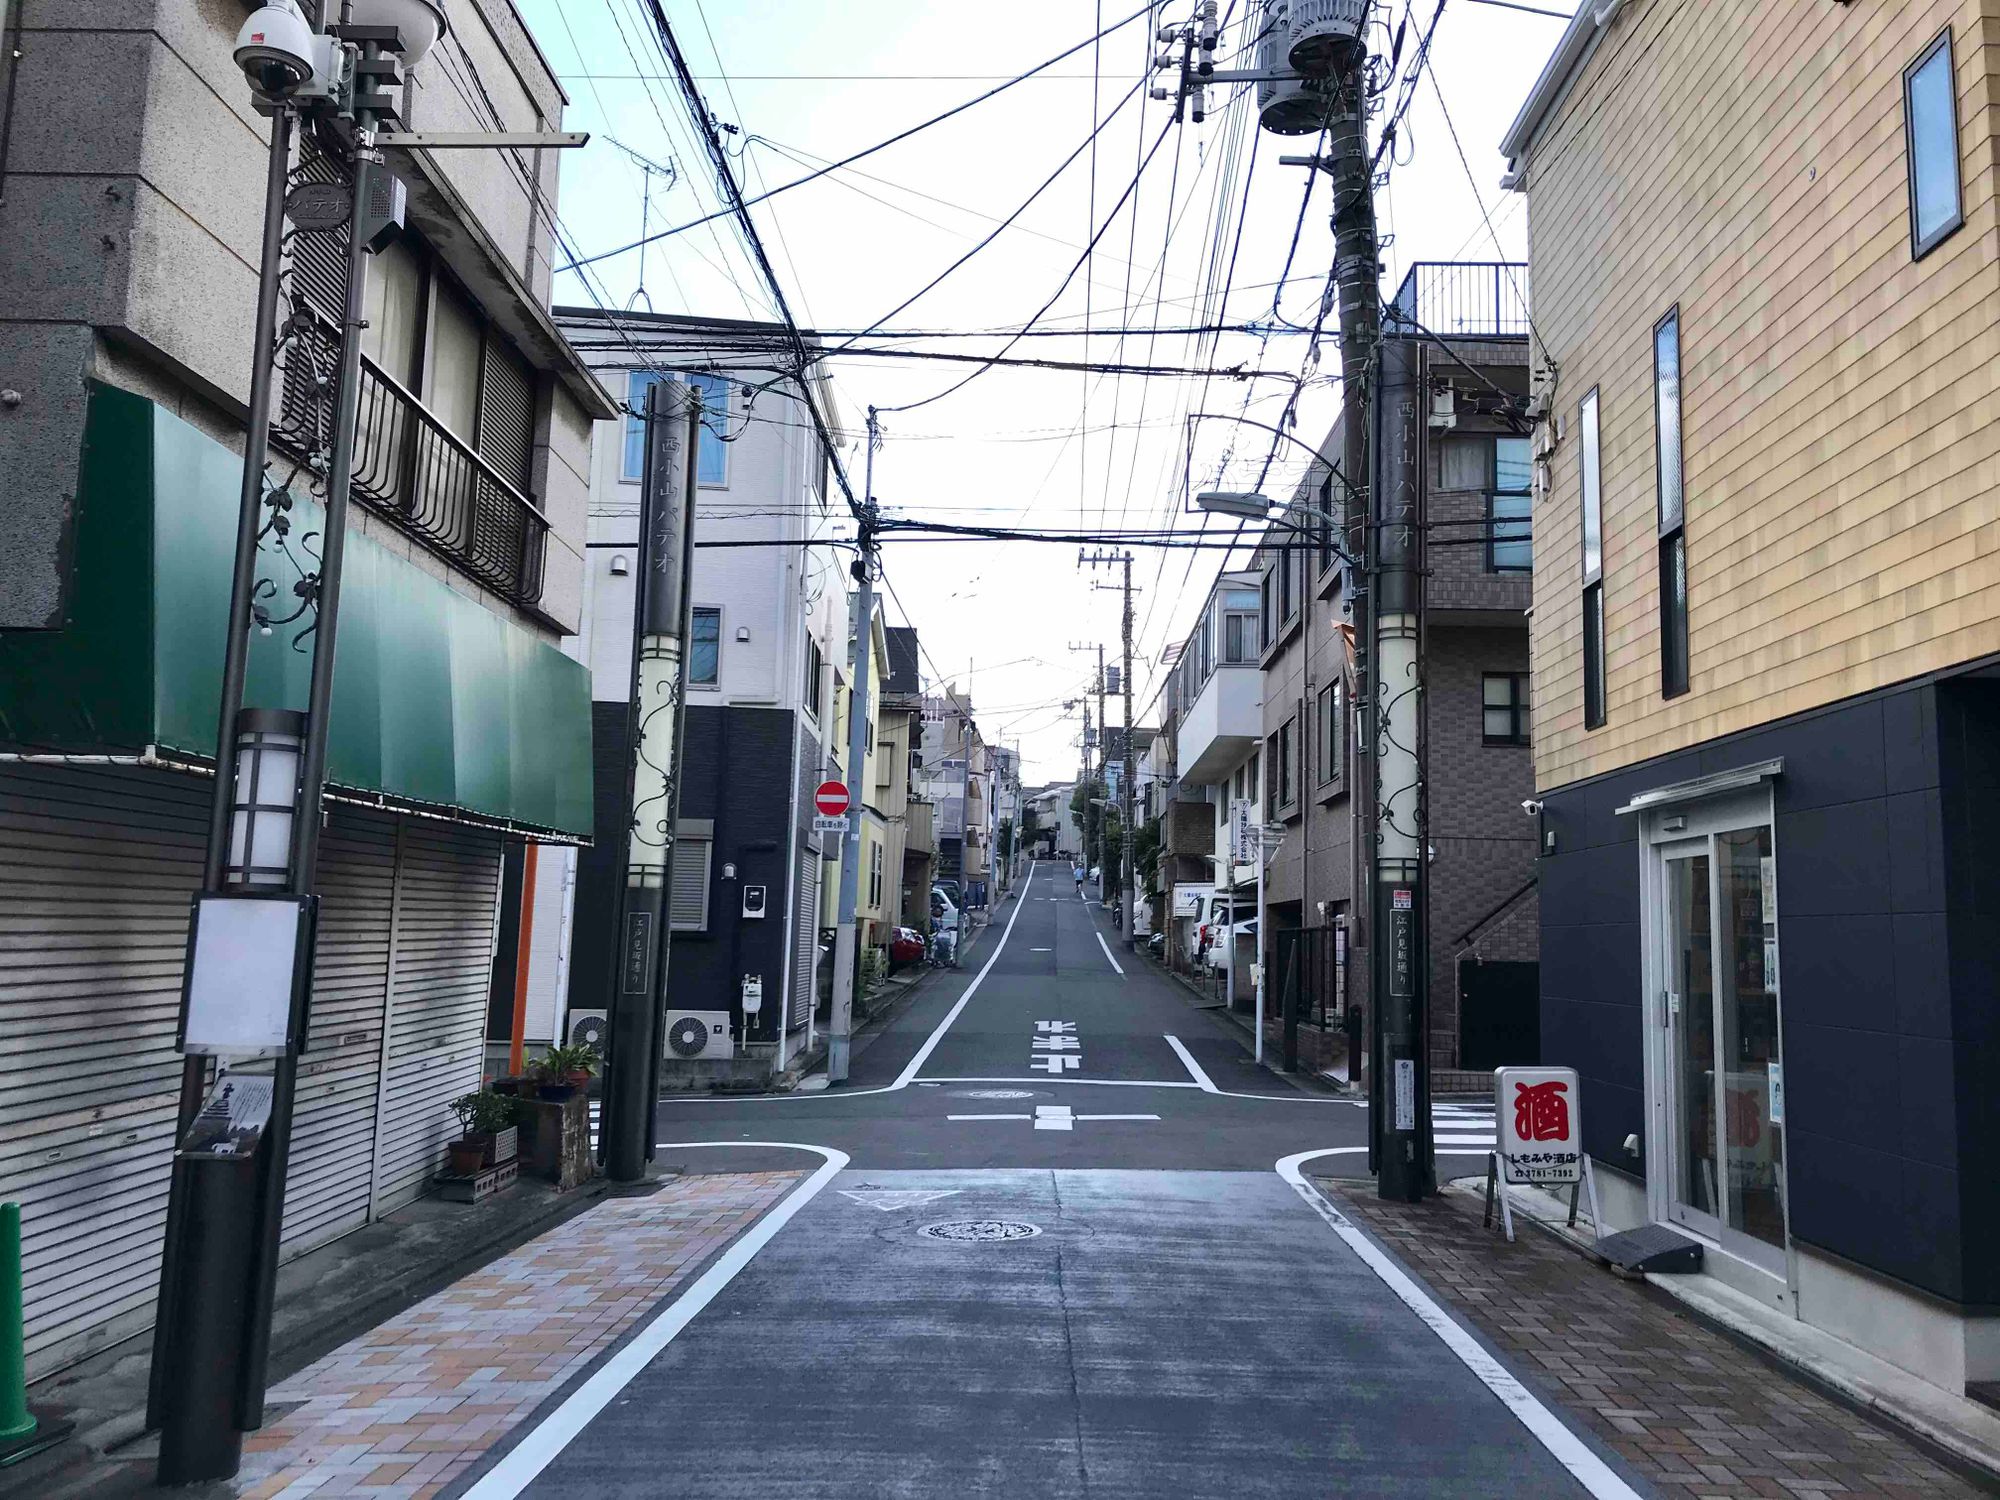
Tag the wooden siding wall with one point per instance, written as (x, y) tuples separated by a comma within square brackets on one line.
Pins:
[(1746, 163)]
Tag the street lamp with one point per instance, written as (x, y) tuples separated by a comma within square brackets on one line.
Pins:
[(1248, 507)]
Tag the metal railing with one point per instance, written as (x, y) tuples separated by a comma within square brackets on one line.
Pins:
[(1461, 299), (415, 472), (429, 481)]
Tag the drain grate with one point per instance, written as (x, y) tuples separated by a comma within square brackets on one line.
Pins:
[(980, 1231)]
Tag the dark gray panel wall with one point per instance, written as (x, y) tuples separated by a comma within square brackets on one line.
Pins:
[(1888, 960)]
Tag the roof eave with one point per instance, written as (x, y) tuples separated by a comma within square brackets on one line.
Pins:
[(1579, 40)]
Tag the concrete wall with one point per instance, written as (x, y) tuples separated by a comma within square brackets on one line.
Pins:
[(129, 230)]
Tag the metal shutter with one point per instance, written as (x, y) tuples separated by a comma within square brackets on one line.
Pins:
[(448, 905), (689, 911), (96, 867), (806, 939), (333, 1119)]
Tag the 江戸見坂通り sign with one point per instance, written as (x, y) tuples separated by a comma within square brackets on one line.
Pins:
[(1539, 1122)]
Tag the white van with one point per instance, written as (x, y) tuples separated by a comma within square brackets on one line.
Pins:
[(1207, 941)]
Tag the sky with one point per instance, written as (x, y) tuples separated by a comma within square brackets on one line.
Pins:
[(1193, 224)]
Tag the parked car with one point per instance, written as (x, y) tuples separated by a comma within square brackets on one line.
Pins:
[(950, 889), (944, 910), (1224, 939)]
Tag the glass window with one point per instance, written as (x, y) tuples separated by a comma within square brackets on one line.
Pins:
[(451, 365), (1510, 508), (1267, 609), (815, 671), (394, 311), (712, 462), (1593, 506), (1239, 637), (1330, 728), (1667, 418), (705, 647), (1593, 656), (1673, 616), (1930, 127), (1504, 708)]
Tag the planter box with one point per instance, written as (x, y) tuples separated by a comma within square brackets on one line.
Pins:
[(504, 1146)]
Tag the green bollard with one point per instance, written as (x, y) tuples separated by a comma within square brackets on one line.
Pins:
[(22, 1434), (16, 1421)]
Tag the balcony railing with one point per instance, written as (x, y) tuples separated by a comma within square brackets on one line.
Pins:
[(415, 472), (1461, 299)]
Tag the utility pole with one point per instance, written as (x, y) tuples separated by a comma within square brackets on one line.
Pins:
[(1126, 799), (964, 823), (1088, 774), (840, 1019), (656, 732)]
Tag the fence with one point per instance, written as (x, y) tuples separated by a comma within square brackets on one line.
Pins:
[(1469, 299)]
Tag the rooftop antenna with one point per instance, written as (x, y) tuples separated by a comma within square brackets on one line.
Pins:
[(651, 168)]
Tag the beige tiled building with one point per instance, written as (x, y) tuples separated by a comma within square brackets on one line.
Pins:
[(1766, 670)]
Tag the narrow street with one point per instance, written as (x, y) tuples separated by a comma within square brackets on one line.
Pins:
[(1177, 1316)]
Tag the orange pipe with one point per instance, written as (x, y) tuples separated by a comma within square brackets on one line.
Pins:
[(523, 947)]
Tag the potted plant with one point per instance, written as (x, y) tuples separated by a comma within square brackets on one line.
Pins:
[(564, 1070), (486, 1125)]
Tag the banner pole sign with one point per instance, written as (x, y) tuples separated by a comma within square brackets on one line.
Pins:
[(1538, 1120)]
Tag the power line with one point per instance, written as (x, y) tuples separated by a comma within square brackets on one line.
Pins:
[(687, 81)]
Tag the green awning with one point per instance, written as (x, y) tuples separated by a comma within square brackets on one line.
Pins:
[(439, 704)]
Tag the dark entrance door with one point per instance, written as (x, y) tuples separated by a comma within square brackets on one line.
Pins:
[(1499, 1015)]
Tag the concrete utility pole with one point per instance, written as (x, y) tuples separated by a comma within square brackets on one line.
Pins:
[(660, 619), (840, 1019), (964, 826), (1126, 799)]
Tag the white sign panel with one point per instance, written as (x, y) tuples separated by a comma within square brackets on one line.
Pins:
[(242, 975), (1539, 1120), (823, 824), (1242, 831)]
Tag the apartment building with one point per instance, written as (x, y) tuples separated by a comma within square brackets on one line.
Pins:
[(900, 727), (766, 694), (458, 725), (1467, 328), (1766, 644)]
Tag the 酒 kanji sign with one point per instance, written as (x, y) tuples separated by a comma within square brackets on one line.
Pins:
[(1540, 1124)]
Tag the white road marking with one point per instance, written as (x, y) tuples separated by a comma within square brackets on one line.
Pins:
[(1056, 1044), (1201, 1079), (888, 1200), (541, 1444), (1055, 1028), (1041, 950), (915, 1064), (1057, 1062), (1115, 1083), (1563, 1445), (1054, 1117), (1107, 952)]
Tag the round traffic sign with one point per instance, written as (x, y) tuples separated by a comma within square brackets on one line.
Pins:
[(831, 798)]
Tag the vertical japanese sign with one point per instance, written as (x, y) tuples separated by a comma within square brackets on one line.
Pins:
[(1402, 945), (1540, 1122)]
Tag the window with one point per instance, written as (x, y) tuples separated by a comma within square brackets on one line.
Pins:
[(815, 671), (1504, 708), (1239, 626), (1330, 733), (1591, 492), (1509, 508), (1279, 791), (1323, 524), (712, 461), (1267, 609), (1671, 505), (1930, 131), (705, 647), (689, 910), (874, 874)]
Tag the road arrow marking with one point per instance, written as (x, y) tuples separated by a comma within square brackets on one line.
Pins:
[(891, 1199)]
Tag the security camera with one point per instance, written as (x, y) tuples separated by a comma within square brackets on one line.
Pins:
[(1531, 807), (274, 49)]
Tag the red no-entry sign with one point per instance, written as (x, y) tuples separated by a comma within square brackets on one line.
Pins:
[(831, 798)]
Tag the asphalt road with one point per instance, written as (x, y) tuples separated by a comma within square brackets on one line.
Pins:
[(1143, 1295)]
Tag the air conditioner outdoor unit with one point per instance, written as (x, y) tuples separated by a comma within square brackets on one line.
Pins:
[(587, 1027), (699, 1034)]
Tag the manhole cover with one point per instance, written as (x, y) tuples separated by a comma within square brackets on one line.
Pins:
[(993, 1093), (980, 1230)]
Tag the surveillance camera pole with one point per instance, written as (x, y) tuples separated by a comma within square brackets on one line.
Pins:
[(846, 941)]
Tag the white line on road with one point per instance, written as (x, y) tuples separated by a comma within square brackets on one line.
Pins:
[(1107, 952), (924, 1052), (1115, 1083), (1564, 1446), (1202, 1080), (539, 1447)]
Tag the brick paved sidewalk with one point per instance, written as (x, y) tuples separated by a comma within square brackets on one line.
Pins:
[(405, 1409), (1693, 1413)]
